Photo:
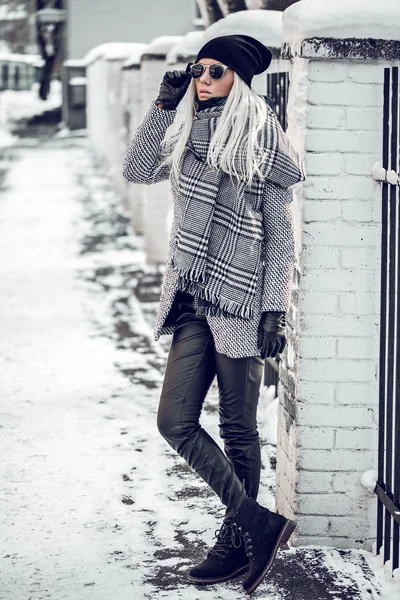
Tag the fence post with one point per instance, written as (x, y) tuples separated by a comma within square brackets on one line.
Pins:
[(328, 412)]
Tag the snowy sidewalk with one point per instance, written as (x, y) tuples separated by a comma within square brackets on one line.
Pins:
[(95, 505)]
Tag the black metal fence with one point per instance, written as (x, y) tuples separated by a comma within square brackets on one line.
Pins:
[(388, 484), (278, 92), (16, 75)]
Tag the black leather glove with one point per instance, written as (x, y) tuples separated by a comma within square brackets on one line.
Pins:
[(272, 333), (173, 88)]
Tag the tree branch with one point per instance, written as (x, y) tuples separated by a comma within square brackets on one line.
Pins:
[(210, 11), (230, 6), (277, 4)]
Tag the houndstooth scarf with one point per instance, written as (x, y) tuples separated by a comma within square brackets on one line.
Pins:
[(219, 243)]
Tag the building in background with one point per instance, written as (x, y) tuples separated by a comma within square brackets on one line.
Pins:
[(93, 22)]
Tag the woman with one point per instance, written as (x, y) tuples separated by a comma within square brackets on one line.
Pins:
[(227, 281)]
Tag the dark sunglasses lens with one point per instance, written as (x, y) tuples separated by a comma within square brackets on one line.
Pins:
[(216, 71), (196, 71)]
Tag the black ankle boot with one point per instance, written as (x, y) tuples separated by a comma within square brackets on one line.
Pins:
[(262, 532), (225, 560)]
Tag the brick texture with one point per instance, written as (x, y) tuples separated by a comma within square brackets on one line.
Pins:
[(329, 388)]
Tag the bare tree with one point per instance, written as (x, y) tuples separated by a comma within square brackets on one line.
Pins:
[(210, 11), (14, 24), (231, 6), (213, 10), (277, 4)]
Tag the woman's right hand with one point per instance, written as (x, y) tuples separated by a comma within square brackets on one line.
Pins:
[(173, 88)]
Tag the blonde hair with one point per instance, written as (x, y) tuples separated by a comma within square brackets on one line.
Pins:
[(238, 135)]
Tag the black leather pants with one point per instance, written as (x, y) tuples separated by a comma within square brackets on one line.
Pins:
[(192, 365)]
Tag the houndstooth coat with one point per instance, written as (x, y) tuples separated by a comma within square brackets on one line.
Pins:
[(271, 202)]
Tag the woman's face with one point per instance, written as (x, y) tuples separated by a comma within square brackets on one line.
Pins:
[(207, 87)]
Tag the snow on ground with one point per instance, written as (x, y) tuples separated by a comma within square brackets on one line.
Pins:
[(95, 505), (342, 19), (6, 138), (24, 104)]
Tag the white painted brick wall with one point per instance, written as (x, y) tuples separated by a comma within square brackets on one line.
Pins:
[(310, 347), (315, 392), (356, 348), (332, 437), (345, 94), (322, 117), (366, 119), (317, 437), (327, 234), (336, 460), (325, 164), (314, 302), (346, 187), (356, 393), (322, 257), (359, 164), (342, 141), (328, 71), (355, 438), (320, 415), (331, 210)]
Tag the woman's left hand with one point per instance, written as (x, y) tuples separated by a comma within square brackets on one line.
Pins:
[(272, 333)]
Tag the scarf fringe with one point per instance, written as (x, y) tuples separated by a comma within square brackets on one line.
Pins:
[(189, 273), (220, 306)]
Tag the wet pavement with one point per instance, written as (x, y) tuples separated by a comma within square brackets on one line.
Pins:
[(96, 505)]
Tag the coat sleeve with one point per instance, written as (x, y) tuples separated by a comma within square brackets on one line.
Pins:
[(279, 247), (281, 163), (143, 160)]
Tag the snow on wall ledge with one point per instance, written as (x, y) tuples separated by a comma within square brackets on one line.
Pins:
[(188, 47), (342, 19), (160, 46), (351, 48), (111, 51)]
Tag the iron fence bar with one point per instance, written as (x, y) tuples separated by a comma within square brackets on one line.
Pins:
[(390, 351), (282, 99), (383, 311), (395, 196), (285, 97), (277, 91), (388, 503)]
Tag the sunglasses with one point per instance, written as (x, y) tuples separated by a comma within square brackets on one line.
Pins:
[(216, 71)]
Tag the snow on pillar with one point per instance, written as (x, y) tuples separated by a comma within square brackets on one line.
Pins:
[(328, 397), (157, 198)]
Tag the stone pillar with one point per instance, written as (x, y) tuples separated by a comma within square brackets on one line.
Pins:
[(132, 116), (104, 107), (328, 396), (156, 198)]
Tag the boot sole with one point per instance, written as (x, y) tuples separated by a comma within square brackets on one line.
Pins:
[(284, 536), (238, 571)]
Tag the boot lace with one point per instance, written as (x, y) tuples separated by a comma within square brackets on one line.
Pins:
[(227, 537)]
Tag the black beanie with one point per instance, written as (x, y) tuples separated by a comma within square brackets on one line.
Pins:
[(244, 54)]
